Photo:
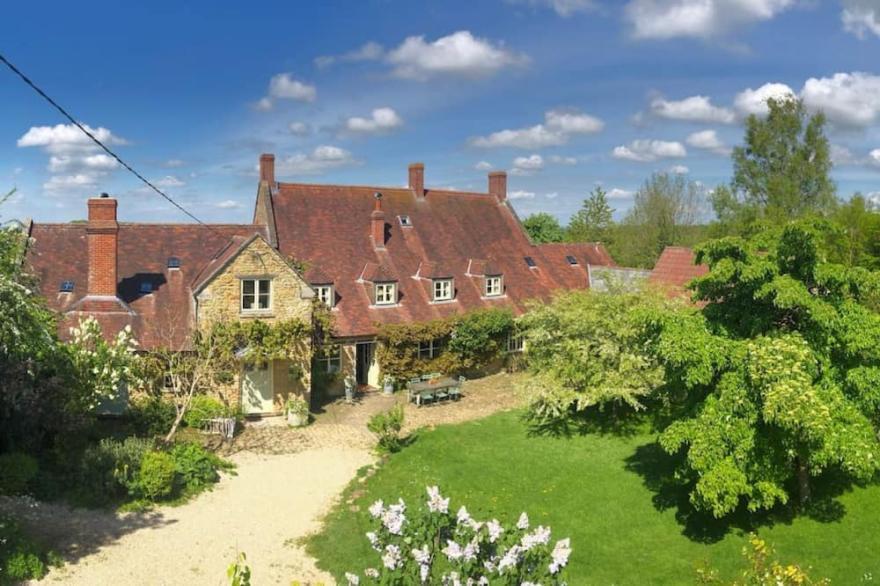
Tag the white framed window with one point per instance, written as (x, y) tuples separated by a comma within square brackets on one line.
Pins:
[(515, 342), (256, 294), (386, 293), (430, 349), (325, 294), (494, 287), (330, 359), (442, 289)]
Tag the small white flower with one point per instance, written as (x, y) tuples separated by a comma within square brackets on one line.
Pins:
[(422, 556), (436, 502), (523, 522), (423, 572), (560, 555), (453, 550), (377, 508), (391, 557), (509, 560), (495, 530), (353, 580), (463, 516), (371, 573), (374, 540), (540, 536)]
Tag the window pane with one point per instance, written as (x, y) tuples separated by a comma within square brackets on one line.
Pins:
[(247, 301), (264, 286), (247, 287), (264, 301)]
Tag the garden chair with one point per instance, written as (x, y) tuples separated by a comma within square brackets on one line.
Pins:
[(441, 395), (411, 394), (430, 376), (424, 397), (455, 392)]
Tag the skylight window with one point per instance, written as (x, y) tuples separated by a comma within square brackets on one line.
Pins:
[(405, 221), (66, 287), (571, 260), (531, 262), (173, 262), (146, 287)]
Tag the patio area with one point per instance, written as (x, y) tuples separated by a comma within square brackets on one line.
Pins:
[(340, 424)]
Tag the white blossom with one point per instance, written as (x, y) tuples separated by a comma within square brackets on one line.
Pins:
[(353, 580), (560, 554), (509, 560), (453, 550), (540, 536), (391, 558), (371, 573), (495, 530), (463, 516), (436, 502), (374, 540), (376, 509), (393, 518), (422, 556), (523, 522)]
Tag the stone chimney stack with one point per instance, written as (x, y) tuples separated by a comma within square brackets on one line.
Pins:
[(498, 184), (267, 169), (102, 233), (417, 179), (377, 223)]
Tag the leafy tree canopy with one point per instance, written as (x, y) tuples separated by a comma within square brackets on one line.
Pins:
[(783, 366), (543, 227), (593, 222)]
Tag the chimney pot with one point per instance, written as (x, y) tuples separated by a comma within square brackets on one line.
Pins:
[(417, 178), (267, 168), (102, 232), (377, 223), (498, 184)]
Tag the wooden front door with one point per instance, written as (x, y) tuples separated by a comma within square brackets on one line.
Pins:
[(256, 389)]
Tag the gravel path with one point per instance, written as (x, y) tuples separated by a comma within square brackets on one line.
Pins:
[(272, 502)]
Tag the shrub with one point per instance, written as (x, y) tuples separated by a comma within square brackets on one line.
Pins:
[(151, 415), (17, 470), (157, 477), (201, 408), (110, 469), (20, 558), (197, 468), (432, 545), (387, 427)]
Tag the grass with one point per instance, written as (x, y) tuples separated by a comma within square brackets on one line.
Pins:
[(610, 494)]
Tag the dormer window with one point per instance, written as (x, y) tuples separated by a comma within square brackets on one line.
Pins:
[(386, 293), (66, 287), (256, 295), (571, 260), (325, 295), (494, 286), (530, 262), (405, 221), (173, 262), (443, 290)]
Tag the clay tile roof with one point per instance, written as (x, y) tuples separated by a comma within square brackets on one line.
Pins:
[(328, 226), (434, 270), (675, 268), (316, 276), (59, 252), (479, 268)]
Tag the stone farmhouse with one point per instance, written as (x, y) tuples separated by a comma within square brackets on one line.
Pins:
[(373, 255)]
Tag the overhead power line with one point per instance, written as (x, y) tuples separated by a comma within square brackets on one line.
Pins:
[(85, 131)]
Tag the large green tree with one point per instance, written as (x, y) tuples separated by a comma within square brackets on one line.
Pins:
[(783, 368), (593, 222), (783, 169), (543, 227)]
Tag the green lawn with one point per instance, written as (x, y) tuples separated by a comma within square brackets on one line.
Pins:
[(607, 493)]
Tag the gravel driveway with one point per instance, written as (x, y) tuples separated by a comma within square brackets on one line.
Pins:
[(273, 501)]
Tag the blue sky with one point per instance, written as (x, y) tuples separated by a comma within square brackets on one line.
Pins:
[(564, 94)]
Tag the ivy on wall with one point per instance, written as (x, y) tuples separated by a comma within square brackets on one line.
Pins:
[(469, 343)]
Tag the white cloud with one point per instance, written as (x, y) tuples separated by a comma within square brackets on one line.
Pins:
[(848, 99), (169, 181), (840, 155), (527, 165), (551, 195), (227, 204), (679, 170), (520, 194), (173, 163), (558, 126), (751, 101), (483, 166), (618, 193), (459, 54), (380, 121), (874, 157), (317, 161), (75, 161), (707, 140), (645, 150), (284, 87), (563, 8), (861, 17), (692, 109), (299, 128), (561, 160), (370, 51), (701, 19)]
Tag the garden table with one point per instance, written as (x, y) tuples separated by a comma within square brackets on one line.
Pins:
[(429, 390)]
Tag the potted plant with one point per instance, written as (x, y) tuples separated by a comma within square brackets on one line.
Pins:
[(387, 385), (349, 389), (297, 411)]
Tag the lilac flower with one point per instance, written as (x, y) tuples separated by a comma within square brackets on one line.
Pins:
[(423, 572), (393, 518), (422, 556), (353, 580), (523, 522), (374, 540), (470, 551), (436, 502), (453, 551), (509, 560), (377, 508), (463, 516), (495, 530), (371, 573), (540, 536), (560, 555), (391, 558)]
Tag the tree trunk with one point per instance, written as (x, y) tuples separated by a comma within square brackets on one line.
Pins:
[(174, 426), (803, 477)]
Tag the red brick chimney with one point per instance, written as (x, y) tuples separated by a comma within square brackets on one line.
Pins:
[(377, 223), (101, 231), (417, 179), (267, 169), (498, 184)]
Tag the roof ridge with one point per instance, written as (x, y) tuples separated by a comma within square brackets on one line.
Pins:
[(380, 187)]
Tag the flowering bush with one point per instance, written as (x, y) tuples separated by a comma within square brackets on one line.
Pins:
[(102, 365), (434, 546)]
